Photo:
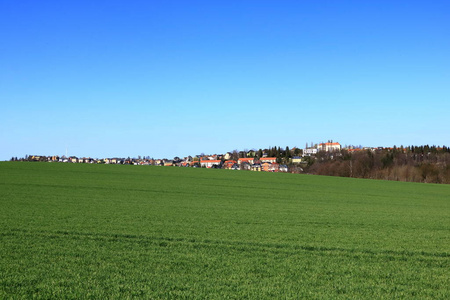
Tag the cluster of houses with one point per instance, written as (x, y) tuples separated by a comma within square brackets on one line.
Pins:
[(244, 160), (268, 164)]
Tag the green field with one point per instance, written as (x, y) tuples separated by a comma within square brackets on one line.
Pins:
[(114, 232)]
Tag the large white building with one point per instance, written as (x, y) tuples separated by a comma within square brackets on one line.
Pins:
[(329, 147)]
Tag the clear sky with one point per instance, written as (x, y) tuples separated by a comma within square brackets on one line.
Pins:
[(176, 78)]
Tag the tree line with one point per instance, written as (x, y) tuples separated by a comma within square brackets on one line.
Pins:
[(428, 164)]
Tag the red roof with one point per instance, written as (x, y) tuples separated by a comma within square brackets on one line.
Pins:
[(330, 144), (246, 159), (210, 161)]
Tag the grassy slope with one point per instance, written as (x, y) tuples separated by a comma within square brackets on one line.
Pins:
[(69, 230)]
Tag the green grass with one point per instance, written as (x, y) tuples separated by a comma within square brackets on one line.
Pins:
[(106, 231)]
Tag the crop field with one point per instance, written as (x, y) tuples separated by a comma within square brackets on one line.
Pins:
[(112, 232)]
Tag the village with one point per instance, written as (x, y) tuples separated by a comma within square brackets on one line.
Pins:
[(273, 159)]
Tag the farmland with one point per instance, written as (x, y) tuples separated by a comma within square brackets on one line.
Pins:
[(110, 231)]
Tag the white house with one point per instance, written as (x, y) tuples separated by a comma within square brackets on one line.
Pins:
[(207, 163), (309, 151)]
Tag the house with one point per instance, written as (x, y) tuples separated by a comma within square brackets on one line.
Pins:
[(209, 163), (227, 155), (283, 168), (168, 163), (248, 160), (234, 167), (256, 167), (229, 164), (145, 162), (245, 166), (270, 167), (309, 151), (268, 159), (209, 157), (296, 159), (251, 153)]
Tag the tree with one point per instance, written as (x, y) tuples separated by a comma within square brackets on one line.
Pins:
[(235, 155), (287, 153), (387, 160)]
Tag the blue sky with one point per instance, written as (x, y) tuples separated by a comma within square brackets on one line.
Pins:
[(177, 78)]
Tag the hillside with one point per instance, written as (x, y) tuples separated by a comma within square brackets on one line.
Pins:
[(116, 231)]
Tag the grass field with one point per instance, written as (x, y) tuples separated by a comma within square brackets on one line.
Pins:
[(115, 232)]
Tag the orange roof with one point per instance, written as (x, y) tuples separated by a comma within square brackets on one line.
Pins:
[(330, 144), (247, 158), (268, 158), (210, 161)]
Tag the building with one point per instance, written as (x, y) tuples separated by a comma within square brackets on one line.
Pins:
[(248, 160), (209, 163), (296, 159), (329, 147), (256, 167), (268, 159), (229, 164), (283, 168), (168, 163), (270, 167), (309, 151)]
